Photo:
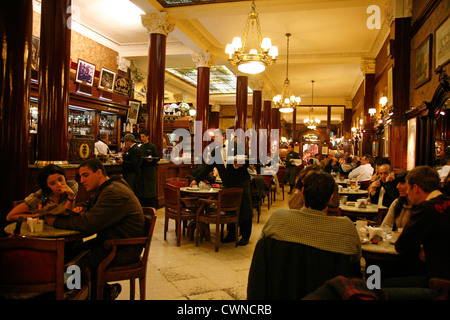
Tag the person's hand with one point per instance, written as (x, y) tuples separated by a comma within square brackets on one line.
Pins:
[(79, 210), (193, 183), (50, 220), (391, 177), (67, 190)]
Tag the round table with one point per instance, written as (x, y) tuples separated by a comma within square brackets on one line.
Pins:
[(201, 193), (48, 232), (370, 208)]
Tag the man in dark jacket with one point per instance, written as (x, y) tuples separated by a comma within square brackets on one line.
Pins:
[(113, 212), (146, 187), (426, 235), (233, 175), (131, 162)]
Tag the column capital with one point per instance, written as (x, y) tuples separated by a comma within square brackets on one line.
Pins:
[(157, 22), (368, 65), (203, 59), (256, 84)]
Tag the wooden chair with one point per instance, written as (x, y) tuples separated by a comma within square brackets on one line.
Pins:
[(281, 176), (271, 190), (32, 266), (178, 182), (137, 270), (178, 209), (256, 200), (222, 211)]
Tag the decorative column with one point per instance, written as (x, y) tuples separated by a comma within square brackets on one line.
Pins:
[(266, 120), (158, 26), (294, 124), (54, 71), (241, 105), (257, 86), (203, 61), (16, 20), (368, 69)]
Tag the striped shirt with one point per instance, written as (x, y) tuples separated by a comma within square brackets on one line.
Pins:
[(314, 228)]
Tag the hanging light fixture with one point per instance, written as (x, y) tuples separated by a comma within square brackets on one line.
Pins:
[(285, 102), (261, 53), (312, 122)]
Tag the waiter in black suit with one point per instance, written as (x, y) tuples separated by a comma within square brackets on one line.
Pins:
[(233, 176)]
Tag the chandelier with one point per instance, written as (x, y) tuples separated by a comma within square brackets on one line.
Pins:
[(285, 102), (256, 60), (312, 122)]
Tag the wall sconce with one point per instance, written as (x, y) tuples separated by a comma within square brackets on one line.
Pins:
[(372, 111), (383, 101), (192, 112)]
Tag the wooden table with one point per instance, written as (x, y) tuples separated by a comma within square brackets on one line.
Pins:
[(48, 232), (200, 193), (370, 211)]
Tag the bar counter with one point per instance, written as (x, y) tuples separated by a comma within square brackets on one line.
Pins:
[(164, 170)]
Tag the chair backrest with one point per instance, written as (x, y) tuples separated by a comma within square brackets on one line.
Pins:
[(288, 271), (31, 265), (280, 174), (178, 182), (230, 199), (268, 180), (150, 221), (172, 196)]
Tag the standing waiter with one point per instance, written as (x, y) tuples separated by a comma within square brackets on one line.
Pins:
[(146, 188), (291, 168), (233, 176)]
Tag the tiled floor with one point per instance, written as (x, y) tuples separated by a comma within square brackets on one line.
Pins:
[(199, 273)]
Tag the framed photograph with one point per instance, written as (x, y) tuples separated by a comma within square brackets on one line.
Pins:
[(442, 41), (133, 111), (122, 85), (423, 62), (85, 73), (35, 53), (106, 81)]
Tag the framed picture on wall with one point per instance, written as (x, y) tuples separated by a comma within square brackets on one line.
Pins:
[(85, 73), (423, 62), (122, 85), (442, 41), (106, 81), (133, 111)]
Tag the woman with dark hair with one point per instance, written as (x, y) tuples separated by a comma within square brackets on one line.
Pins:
[(54, 189), (400, 209)]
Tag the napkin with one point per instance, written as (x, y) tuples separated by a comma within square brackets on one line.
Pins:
[(374, 231)]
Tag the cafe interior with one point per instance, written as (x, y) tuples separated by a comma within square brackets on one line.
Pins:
[(334, 78)]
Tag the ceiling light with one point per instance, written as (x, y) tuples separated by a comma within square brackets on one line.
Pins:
[(312, 122), (372, 111), (261, 53), (285, 102)]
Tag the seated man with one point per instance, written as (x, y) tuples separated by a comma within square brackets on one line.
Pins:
[(383, 191), (301, 249), (113, 212), (364, 171), (426, 235)]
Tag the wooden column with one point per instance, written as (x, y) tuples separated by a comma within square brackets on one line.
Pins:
[(158, 26), (54, 71), (241, 105), (329, 122), (16, 20), (257, 110), (203, 62), (294, 124), (400, 82), (368, 69), (266, 120)]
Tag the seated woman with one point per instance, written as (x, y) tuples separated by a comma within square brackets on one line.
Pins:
[(53, 190), (400, 209)]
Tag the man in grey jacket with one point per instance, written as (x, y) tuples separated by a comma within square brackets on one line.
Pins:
[(113, 212)]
